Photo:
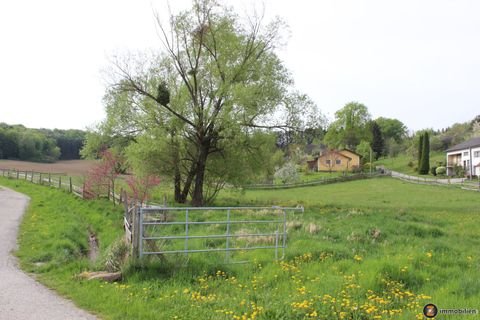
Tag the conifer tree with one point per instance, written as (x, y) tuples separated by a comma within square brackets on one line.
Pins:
[(420, 150), (425, 160), (378, 143)]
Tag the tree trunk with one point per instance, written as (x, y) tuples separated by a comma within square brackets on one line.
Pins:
[(188, 183), (177, 185), (177, 177), (197, 196)]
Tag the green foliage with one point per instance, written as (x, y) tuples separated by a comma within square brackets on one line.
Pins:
[(41, 145), (440, 171), (459, 171), (404, 163), (393, 148), (163, 95), (199, 105), (425, 159), (420, 150), (364, 150), (433, 170), (378, 142), (392, 129), (349, 127)]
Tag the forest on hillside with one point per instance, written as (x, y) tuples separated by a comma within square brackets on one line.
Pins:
[(42, 145)]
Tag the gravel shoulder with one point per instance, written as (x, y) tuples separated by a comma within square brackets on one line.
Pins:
[(21, 297)]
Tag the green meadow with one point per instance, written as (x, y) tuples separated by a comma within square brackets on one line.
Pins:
[(368, 249), (401, 162)]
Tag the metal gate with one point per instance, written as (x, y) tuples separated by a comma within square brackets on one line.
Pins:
[(166, 230)]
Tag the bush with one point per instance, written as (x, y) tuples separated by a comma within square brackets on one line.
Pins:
[(288, 173), (433, 170), (366, 167), (116, 256), (440, 171), (459, 171), (411, 164), (356, 169)]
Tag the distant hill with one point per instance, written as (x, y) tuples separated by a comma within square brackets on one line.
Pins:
[(18, 142)]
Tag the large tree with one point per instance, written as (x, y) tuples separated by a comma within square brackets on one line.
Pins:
[(392, 128), (349, 127), (203, 101)]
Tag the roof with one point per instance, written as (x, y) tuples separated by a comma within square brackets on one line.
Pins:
[(353, 152), (472, 143), (326, 153)]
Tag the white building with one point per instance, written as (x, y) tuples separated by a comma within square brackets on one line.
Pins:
[(466, 155)]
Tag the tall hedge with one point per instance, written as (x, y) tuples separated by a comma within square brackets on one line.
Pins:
[(425, 161)]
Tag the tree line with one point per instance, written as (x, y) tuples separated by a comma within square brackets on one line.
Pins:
[(42, 145)]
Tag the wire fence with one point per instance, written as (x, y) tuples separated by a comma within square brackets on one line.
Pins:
[(463, 183), (151, 229), (57, 180), (352, 177)]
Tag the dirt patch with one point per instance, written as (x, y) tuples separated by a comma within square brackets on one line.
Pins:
[(68, 167)]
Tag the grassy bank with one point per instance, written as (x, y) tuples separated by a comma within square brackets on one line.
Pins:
[(400, 163), (370, 249)]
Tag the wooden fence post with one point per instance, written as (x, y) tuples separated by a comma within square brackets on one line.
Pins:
[(136, 232), (49, 180), (40, 180), (18, 174), (31, 178), (71, 188), (59, 182)]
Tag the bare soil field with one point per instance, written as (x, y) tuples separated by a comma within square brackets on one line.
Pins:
[(68, 167)]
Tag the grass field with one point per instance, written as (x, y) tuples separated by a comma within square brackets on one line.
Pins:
[(369, 249), (400, 163)]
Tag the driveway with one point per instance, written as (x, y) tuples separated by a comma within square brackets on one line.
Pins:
[(21, 297)]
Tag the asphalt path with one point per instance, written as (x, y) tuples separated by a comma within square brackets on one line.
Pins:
[(21, 297)]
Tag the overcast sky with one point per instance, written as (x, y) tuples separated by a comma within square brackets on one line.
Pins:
[(414, 60)]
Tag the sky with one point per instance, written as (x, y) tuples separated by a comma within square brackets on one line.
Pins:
[(416, 61)]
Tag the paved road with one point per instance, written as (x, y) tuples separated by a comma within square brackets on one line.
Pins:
[(21, 297), (426, 179)]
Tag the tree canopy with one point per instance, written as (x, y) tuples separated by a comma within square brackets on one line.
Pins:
[(201, 106), (43, 145), (349, 127)]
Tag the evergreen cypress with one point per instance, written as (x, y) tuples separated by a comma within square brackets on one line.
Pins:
[(425, 162), (378, 143), (420, 150)]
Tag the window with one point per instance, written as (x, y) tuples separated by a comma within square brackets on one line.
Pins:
[(476, 154), (327, 162), (465, 153), (338, 161)]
